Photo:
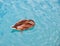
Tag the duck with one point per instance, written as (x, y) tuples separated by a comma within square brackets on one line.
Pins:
[(23, 25)]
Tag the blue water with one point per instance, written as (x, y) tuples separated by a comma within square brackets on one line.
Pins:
[(45, 13)]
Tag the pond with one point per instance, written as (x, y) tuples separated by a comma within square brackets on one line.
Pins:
[(46, 15)]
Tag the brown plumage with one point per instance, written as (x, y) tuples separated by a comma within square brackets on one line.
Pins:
[(24, 25)]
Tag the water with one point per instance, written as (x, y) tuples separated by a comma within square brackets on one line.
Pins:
[(45, 13)]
